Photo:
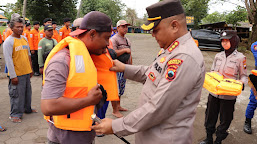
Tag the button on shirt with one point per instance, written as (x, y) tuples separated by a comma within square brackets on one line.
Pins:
[(232, 67), (170, 95)]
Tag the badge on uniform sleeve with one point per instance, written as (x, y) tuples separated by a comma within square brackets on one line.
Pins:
[(39, 47), (255, 47), (175, 62), (151, 76), (171, 73), (244, 63), (173, 46), (60, 33), (41, 35)]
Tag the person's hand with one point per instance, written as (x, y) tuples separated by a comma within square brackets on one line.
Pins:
[(31, 74), (32, 52), (15, 81), (105, 127), (117, 66), (95, 95), (127, 50), (41, 70)]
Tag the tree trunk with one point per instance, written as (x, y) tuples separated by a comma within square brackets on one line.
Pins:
[(80, 7), (253, 36), (24, 9)]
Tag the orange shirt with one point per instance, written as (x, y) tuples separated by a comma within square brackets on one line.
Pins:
[(41, 34), (64, 32), (1, 38), (7, 32), (56, 35), (33, 39), (26, 33)]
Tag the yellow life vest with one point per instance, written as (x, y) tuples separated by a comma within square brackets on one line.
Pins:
[(82, 77), (215, 83)]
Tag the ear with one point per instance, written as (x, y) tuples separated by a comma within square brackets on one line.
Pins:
[(174, 25), (92, 33)]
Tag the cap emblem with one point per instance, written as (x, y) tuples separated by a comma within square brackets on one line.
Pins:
[(224, 34)]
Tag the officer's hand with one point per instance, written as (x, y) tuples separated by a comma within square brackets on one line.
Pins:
[(95, 95), (127, 50), (15, 81), (105, 127), (32, 51), (118, 66)]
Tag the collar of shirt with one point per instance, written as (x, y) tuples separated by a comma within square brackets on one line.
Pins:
[(224, 55)]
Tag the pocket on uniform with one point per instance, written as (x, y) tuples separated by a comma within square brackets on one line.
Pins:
[(217, 65), (13, 91), (230, 68)]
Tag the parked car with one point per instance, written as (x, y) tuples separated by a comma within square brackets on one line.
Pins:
[(207, 39)]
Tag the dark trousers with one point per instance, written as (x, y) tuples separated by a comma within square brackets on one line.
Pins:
[(34, 59), (249, 113), (216, 106)]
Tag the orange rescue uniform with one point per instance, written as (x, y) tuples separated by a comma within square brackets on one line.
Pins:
[(26, 33), (41, 34), (33, 39), (7, 32), (56, 35), (64, 32)]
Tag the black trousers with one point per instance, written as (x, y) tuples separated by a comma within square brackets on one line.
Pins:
[(34, 59), (225, 108)]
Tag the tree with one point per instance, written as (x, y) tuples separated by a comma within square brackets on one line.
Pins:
[(38, 10), (9, 10), (112, 8), (236, 16), (131, 15), (214, 17), (196, 8), (251, 7)]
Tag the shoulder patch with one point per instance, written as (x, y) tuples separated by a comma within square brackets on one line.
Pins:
[(171, 73), (173, 46), (255, 47), (151, 76), (175, 62), (244, 63)]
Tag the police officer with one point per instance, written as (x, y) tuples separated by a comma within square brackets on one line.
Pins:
[(253, 102), (172, 83)]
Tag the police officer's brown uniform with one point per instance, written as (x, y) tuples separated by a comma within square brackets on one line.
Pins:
[(171, 91)]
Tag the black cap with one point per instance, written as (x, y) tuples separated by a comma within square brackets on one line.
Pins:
[(54, 22), (48, 27), (36, 22), (228, 34), (27, 24), (46, 20), (94, 20), (66, 19), (162, 10)]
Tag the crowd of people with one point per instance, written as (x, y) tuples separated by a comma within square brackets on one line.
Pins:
[(86, 66)]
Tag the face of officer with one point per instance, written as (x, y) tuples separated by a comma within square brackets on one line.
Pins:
[(96, 42), (49, 34), (226, 44), (169, 29), (67, 24), (17, 28)]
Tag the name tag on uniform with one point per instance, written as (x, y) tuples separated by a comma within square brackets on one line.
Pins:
[(60, 33)]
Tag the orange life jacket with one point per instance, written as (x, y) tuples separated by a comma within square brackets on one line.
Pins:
[(106, 77), (82, 77)]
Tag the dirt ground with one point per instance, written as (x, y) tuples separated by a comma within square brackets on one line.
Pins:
[(144, 49)]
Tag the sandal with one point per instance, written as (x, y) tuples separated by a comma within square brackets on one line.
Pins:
[(32, 111), (2, 129), (15, 119)]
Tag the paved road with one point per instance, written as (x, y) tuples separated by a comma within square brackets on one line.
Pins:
[(33, 128)]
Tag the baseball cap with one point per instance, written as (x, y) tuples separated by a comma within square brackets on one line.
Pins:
[(228, 34), (161, 10), (77, 22), (121, 22), (48, 27), (94, 20)]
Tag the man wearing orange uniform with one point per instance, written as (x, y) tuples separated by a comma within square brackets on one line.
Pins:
[(27, 30), (5, 30), (33, 44), (65, 30), (42, 33), (56, 35)]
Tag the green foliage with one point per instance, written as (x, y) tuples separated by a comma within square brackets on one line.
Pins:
[(131, 16), (38, 10), (112, 8), (240, 14), (9, 10), (196, 8), (213, 18), (4, 24)]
